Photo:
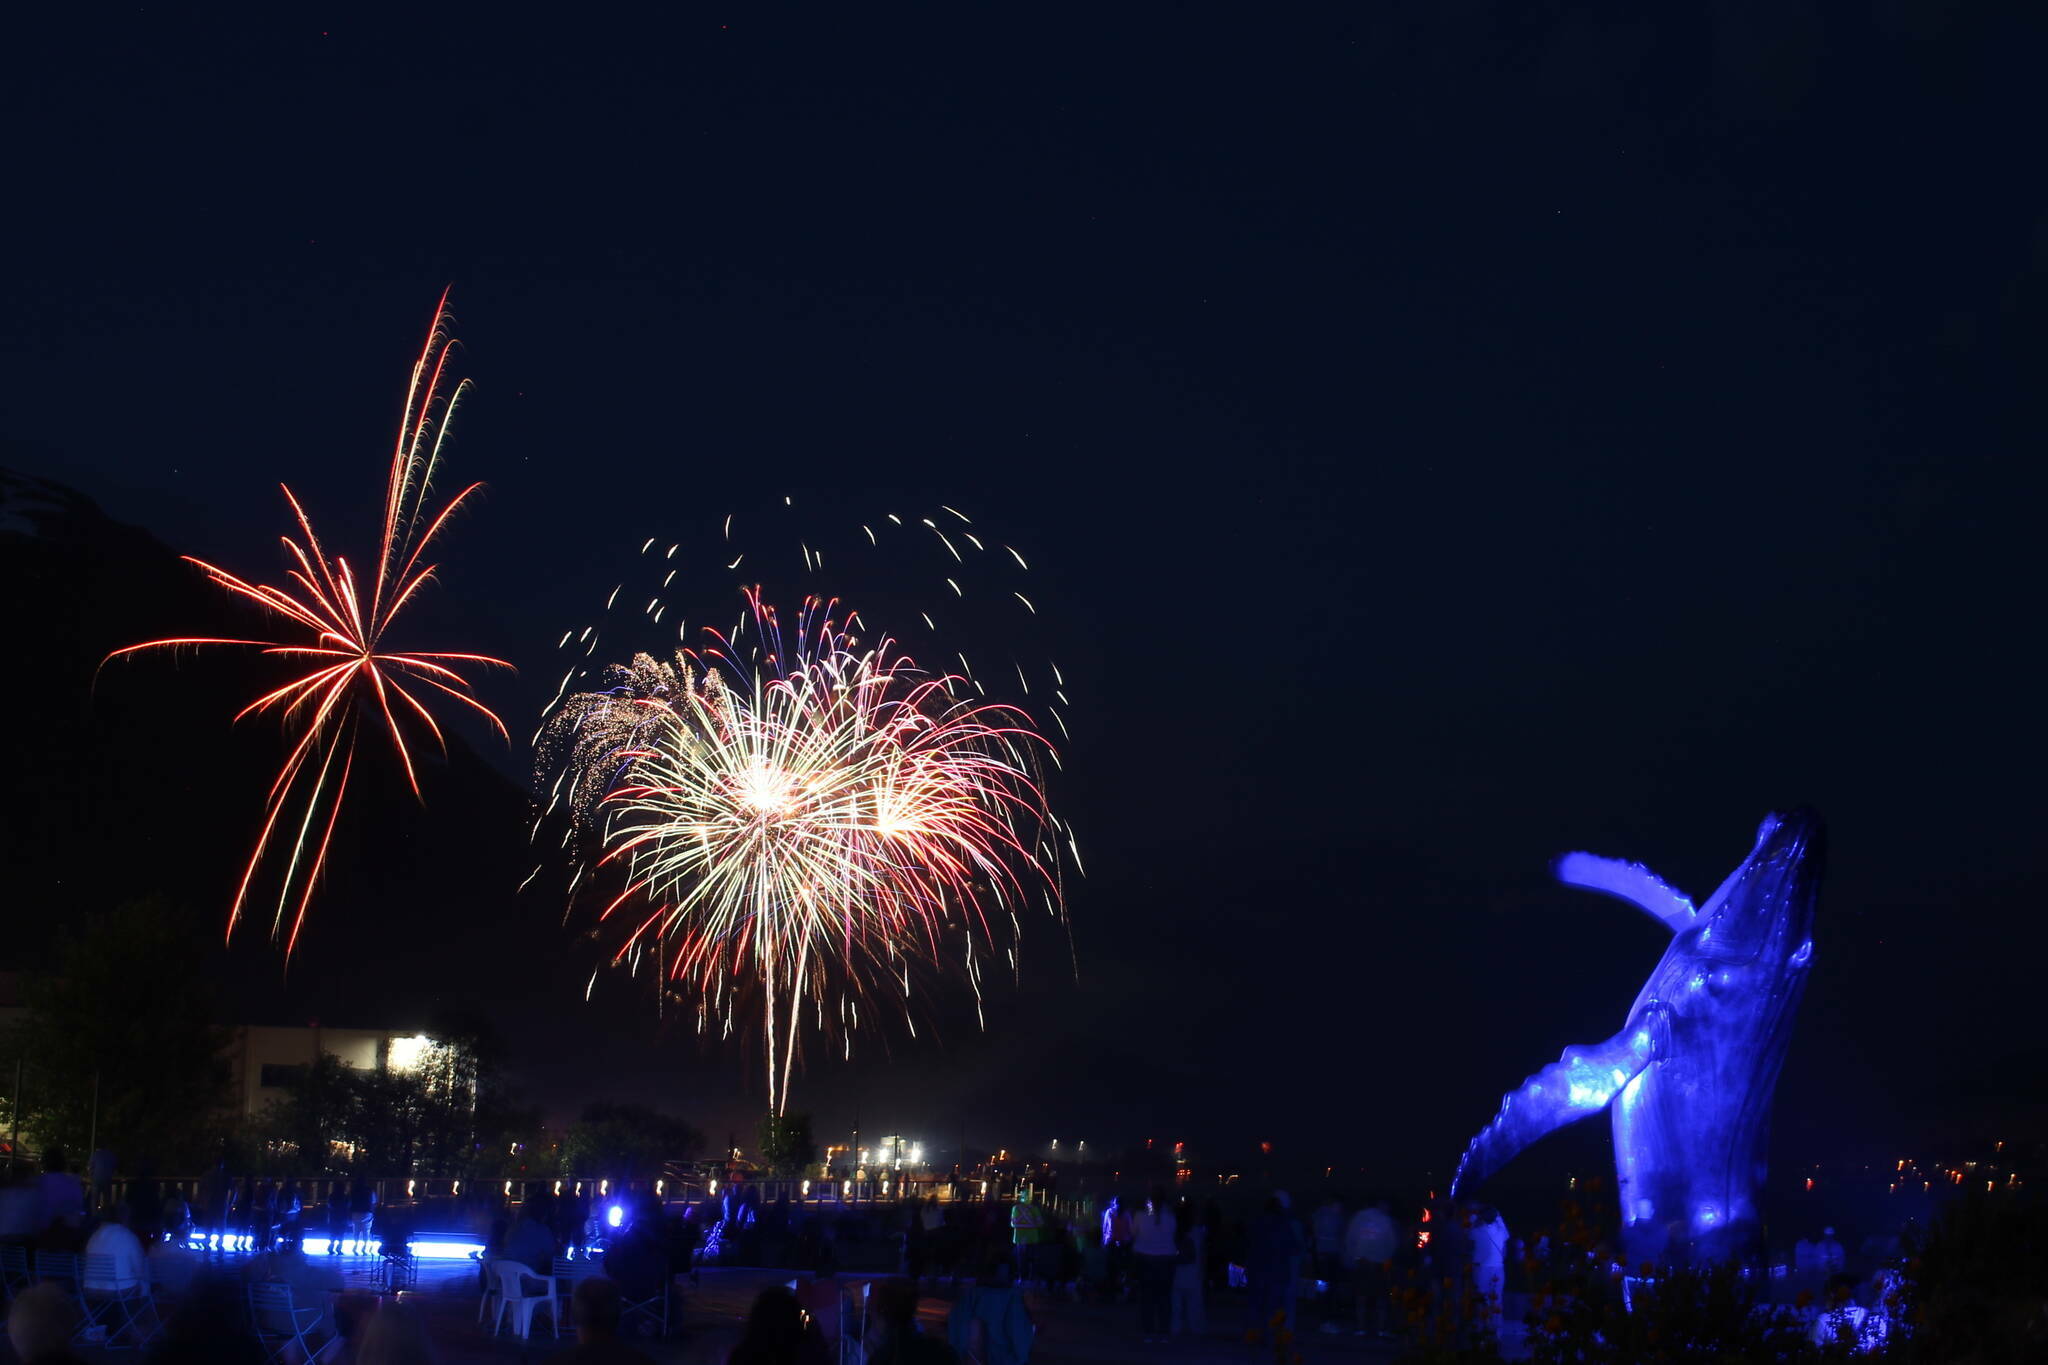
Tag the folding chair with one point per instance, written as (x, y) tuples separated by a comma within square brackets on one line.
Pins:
[(569, 1274), (652, 1310), (284, 1326), (16, 1274), (67, 1269), (171, 1275), (853, 1322), (126, 1309), (512, 1295), (397, 1269)]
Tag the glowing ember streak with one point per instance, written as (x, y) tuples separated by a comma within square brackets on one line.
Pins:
[(354, 677), (817, 821)]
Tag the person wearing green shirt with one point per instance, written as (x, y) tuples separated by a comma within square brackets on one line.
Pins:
[(1027, 1229)]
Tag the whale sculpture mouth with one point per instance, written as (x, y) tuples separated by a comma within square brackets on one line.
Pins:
[(1689, 1077), (1769, 898)]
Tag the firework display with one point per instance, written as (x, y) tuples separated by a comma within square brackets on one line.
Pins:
[(338, 626), (800, 818)]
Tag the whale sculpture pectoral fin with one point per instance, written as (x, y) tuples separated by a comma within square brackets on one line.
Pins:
[(1631, 882), (1576, 1085)]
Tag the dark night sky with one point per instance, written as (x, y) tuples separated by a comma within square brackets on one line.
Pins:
[(1446, 435)]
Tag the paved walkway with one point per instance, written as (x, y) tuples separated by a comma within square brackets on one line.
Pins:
[(714, 1313)]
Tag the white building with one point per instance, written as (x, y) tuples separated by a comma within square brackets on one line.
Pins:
[(265, 1060)]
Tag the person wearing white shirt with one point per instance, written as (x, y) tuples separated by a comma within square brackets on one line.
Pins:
[(1370, 1240), (125, 1270), (1154, 1243), (1489, 1248)]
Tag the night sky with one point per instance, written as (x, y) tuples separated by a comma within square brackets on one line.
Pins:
[(1444, 435)]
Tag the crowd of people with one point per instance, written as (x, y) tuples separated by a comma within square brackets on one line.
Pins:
[(1349, 1266), (152, 1246)]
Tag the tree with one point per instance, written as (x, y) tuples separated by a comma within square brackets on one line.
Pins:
[(318, 1111), (786, 1143), (119, 1044), (627, 1142), (443, 1113)]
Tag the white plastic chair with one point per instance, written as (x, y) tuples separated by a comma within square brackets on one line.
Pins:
[(569, 1274), (512, 1294), (67, 1268), (127, 1309)]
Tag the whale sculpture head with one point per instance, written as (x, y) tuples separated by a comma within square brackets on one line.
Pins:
[(1766, 905)]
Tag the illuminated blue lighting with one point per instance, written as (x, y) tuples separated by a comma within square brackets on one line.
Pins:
[(615, 1215), (422, 1248), (1687, 1081)]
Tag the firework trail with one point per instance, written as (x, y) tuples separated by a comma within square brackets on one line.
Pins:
[(804, 816), (337, 626)]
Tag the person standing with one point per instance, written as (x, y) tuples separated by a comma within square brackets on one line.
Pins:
[(100, 1168), (1190, 1270), (1326, 1248), (1326, 1224), (1116, 1243), (261, 1214), (1370, 1241), (291, 1215), (1154, 1245), (336, 1210), (1273, 1265), (216, 1192), (1489, 1233), (917, 1249), (362, 1211), (174, 1217), (1829, 1258), (63, 1196), (1027, 1226)]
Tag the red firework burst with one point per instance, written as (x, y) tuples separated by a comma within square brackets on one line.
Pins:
[(354, 676)]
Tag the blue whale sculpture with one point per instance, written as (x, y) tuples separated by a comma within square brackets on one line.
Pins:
[(1689, 1077)]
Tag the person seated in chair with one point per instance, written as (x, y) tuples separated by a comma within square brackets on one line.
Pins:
[(127, 1271), (594, 1309), (993, 1309), (531, 1242), (898, 1338), (638, 1263), (123, 1274)]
